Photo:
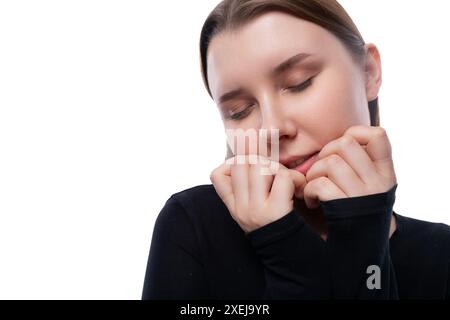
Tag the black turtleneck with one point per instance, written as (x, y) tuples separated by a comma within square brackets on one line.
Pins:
[(199, 252)]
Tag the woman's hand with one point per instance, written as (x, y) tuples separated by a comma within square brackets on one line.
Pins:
[(254, 199), (357, 164)]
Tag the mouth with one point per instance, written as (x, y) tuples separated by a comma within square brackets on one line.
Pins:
[(303, 164)]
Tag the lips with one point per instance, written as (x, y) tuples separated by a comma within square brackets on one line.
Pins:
[(306, 165), (303, 164), (295, 161)]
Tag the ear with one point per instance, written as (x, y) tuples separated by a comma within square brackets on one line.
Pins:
[(373, 71)]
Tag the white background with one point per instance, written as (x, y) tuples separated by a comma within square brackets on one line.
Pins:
[(103, 115)]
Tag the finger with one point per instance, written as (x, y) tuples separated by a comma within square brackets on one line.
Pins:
[(377, 143), (259, 183), (339, 172), (299, 183), (321, 189), (286, 183), (354, 155), (221, 180), (239, 180)]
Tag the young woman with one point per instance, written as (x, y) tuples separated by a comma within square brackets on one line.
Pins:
[(322, 226)]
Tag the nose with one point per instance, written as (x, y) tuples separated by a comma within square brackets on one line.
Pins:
[(273, 118)]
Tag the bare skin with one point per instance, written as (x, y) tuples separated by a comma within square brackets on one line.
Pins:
[(318, 105)]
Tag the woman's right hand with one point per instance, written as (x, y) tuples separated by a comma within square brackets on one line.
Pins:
[(255, 199)]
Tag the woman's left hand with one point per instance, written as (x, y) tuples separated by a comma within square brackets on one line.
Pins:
[(357, 164)]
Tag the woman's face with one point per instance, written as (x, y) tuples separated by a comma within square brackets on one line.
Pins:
[(312, 100)]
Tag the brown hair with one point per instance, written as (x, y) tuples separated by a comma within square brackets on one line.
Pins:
[(229, 15)]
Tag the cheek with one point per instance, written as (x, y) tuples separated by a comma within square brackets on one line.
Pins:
[(251, 143), (328, 109)]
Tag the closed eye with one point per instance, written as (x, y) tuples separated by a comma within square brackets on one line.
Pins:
[(246, 111), (300, 87), (241, 114)]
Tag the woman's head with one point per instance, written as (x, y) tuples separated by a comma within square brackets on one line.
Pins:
[(299, 66)]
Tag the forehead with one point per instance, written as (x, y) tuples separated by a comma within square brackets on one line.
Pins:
[(258, 46)]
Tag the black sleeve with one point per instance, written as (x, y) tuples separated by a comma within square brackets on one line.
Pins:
[(299, 265), (358, 244), (293, 256), (174, 269)]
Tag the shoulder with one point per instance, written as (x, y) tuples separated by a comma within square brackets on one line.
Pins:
[(198, 198), (195, 207), (433, 237), (201, 192), (423, 229)]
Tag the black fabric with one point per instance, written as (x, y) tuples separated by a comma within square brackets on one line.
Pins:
[(199, 252)]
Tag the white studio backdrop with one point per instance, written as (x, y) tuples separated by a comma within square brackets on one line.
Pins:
[(103, 115)]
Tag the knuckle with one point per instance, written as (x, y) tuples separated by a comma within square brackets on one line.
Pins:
[(322, 182), (333, 160), (346, 141), (352, 128), (212, 175), (380, 132)]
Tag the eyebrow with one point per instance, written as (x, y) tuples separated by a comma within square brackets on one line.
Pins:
[(289, 63), (282, 67)]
